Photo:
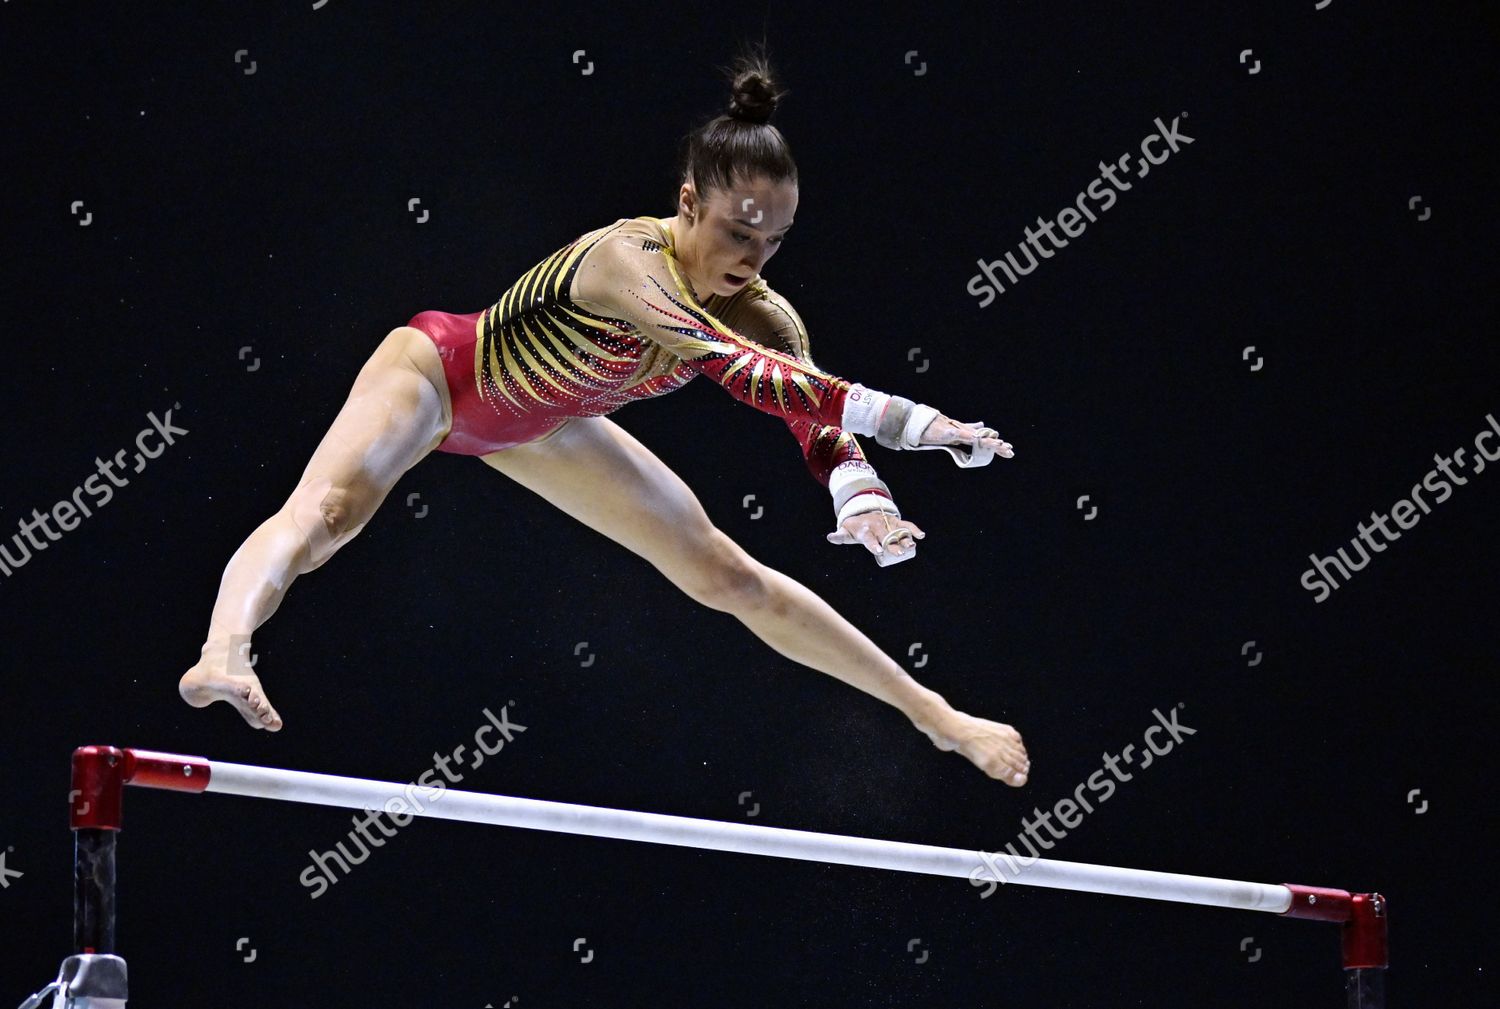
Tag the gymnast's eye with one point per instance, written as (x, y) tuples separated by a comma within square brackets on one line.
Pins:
[(740, 236)]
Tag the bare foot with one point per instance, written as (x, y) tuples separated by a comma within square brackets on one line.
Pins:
[(994, 747), (222, 676)]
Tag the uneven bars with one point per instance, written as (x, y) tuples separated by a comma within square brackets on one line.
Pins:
[(101, 772)]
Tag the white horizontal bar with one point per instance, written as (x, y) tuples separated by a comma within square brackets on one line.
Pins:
[(781, 842)]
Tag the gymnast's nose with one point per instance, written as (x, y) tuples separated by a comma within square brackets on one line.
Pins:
[(757, 259)]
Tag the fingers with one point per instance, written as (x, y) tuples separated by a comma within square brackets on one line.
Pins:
[(991, 441), (869, 539), (902, 545), (944, 431), (999, 446), (869, 534), (897, 547)]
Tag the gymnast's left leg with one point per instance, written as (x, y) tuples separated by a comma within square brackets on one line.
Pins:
[(596, 471)]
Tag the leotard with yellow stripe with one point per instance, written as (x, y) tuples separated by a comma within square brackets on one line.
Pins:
[(609, 318)]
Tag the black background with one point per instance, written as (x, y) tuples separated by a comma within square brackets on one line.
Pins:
[(269, 211)]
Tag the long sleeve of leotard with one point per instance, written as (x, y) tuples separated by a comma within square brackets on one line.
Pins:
[(824, 446), (642, 285)]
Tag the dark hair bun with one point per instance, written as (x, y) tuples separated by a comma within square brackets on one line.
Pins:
[(739, 143), (754, 98), (754, 94)]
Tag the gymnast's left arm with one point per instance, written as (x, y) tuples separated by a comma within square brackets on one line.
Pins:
[(634, 283), (863, 507)]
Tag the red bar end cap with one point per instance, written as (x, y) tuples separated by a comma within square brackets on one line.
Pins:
[(98, 782), (1366, 938)]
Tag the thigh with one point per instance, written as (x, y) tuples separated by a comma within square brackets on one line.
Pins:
[(392, 417), (598, 472)]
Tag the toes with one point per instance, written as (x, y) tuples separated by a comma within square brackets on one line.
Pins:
[(256, 710), (268, 715), (998, 752), (1020, 767), (1012, 767), (999, 766)]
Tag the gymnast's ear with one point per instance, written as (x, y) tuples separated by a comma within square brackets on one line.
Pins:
[(687, 202)]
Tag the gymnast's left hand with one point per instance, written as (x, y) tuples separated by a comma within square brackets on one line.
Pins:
[(869, 528), (946, 431)]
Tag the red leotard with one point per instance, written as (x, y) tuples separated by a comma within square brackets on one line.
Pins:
[(543, 354)]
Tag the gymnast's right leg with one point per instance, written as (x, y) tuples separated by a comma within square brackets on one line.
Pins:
[(397, 412)]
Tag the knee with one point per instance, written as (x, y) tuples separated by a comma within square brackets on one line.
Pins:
[(327, 515), (724, 577), (336, 513)]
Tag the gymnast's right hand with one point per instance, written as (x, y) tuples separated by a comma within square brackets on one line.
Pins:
[(224, 674)]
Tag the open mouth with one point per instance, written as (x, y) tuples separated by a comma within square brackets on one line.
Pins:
[(736, 281)]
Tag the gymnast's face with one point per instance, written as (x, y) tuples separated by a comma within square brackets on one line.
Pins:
[(723, 239)]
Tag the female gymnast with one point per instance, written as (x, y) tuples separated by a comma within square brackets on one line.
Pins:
[(626, 312)]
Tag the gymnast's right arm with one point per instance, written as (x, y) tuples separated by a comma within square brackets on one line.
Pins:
[(641, 286)]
